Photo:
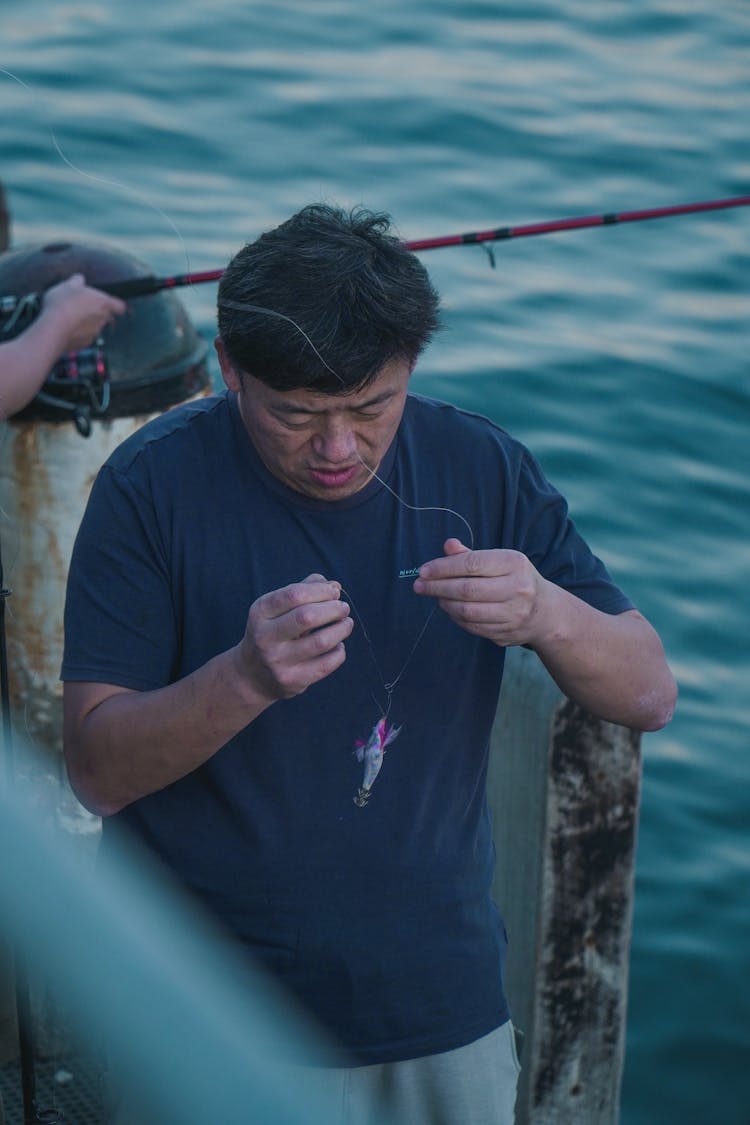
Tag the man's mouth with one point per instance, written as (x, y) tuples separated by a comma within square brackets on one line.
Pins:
[(334, 478)]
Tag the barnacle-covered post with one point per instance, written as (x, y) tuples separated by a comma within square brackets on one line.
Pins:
[(564, 792), (149, 360)]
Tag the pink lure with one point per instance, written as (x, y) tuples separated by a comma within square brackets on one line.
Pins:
[(371, 753)]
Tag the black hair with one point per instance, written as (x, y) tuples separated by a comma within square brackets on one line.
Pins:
[(324, 301)]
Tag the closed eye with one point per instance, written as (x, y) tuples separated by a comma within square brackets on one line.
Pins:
[(369, 411)]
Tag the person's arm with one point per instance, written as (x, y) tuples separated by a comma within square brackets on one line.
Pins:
[(612, 664), (121, 745), (72, 315)]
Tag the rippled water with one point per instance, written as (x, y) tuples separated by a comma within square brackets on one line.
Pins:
[(620, 354)]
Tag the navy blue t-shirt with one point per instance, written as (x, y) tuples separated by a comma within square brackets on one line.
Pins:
[(378, 918)]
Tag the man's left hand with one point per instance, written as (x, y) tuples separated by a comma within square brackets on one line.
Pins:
[(497, 594), (612, 664)]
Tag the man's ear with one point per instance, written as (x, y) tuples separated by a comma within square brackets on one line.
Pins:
[(228, 373)]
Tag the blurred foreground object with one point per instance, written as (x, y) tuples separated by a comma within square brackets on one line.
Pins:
[(190, 1025)]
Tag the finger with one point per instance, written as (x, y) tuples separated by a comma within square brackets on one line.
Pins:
[(487, 563), (305, 660), (304, 620), (324, 665), (313, 618), (493, 614), (277, 603), (455, 547), (451, 547), (462, 589), (317, 643)]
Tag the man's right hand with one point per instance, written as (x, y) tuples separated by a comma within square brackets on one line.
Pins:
[(122, 744), (294, 637)]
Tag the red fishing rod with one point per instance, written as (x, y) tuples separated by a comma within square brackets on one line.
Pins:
[(143, 286), (140, 286), (577, 223)]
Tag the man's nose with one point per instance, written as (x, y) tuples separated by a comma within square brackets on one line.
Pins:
[(335, 442)]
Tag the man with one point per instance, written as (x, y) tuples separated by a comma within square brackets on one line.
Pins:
[(286, 621), (72, 315)]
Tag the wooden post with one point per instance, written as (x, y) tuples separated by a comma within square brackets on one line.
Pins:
[(564, 792)]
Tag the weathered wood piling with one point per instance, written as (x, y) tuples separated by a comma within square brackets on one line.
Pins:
[(564, 793)]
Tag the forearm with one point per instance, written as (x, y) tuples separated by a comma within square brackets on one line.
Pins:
[(72, 316), (122, 745), (613, 665), (26, 361), (132, 743)]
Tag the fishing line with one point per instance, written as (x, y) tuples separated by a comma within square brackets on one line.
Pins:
[(188, 280), (420, 508), (124, 187), (371, 750), (242, 306), (390, 686)]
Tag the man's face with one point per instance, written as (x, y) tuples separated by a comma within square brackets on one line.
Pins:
[(316, 443)]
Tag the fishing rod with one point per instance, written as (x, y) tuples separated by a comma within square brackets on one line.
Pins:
[(578, 223), (141, 286), (17, 307)]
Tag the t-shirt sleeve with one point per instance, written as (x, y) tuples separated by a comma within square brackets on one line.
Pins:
[(120, 624), (546, 534)]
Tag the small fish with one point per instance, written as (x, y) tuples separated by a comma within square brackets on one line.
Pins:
[(371, 753)]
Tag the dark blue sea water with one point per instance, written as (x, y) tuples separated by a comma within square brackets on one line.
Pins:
[(178, 131)]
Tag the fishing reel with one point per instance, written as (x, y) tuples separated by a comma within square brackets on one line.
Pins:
[(84, 373), (149, 359)]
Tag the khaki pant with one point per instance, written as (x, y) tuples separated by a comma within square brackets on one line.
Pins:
[(472, 1085)]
